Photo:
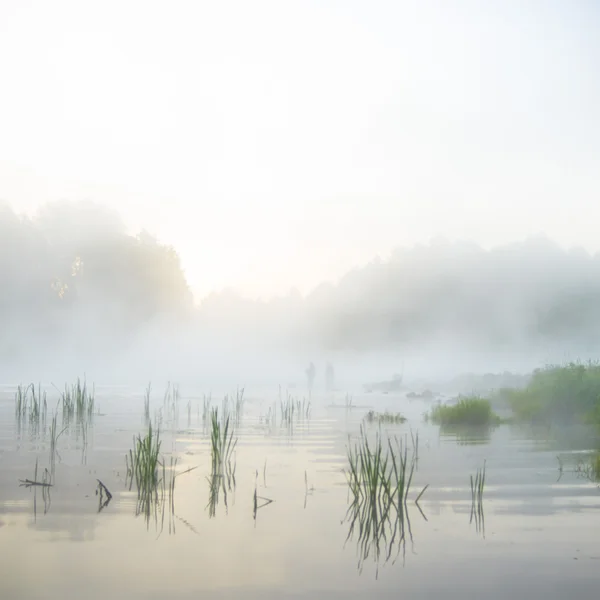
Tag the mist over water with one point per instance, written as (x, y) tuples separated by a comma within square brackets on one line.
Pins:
[(80, 294)]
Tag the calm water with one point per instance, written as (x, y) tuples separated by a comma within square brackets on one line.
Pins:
[(539, 538)]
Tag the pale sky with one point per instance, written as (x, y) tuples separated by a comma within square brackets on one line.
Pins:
[(281, 143)]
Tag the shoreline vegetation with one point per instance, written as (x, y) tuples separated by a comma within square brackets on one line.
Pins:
[(469, 410), (557, 393), (568, 394)]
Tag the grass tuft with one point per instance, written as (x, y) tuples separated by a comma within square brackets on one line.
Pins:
[(77, 401), (387, 418), (469, 410), (380, 476), (221, 441)]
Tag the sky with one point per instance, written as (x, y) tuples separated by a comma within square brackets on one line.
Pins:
[(277, 144)]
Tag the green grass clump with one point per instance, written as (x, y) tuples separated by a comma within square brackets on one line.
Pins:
[(294, 410), (379, 478), (222, 443), (386, 417), (469, 410), (155, 482), (568, 393), (77, 401), (143, 461), (31, 403)]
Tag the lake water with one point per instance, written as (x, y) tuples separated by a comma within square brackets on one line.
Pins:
[(538, 538)]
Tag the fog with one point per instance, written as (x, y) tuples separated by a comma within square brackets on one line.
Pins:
[(82, 295)]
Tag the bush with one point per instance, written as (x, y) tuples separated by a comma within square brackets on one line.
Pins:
[(559, 393), (469, 410)]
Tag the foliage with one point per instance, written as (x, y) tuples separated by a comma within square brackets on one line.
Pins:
[(74, 268), (469, 410), (559, 393)]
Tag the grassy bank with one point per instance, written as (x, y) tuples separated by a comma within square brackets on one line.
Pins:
[(469, 410), (569, 393)]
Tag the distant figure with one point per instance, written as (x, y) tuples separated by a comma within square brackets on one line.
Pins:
[(310, 376), (329, 378)]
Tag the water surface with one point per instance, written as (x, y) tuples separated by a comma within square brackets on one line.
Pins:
[(538, 538)]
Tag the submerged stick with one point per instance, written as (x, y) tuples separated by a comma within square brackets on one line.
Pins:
[(103, 487), (422, 492), (29, 483)]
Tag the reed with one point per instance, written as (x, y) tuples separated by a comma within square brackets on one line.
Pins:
[(21, 399), (477, 489), (380, 476), (54, 436), (143, 461), (221, 441), (171, 402), (384, 418), (142, 465), (147, 404), (348, 402), (38, 408), (206, 405), (294, 410), (239, 405), (589, 468), (77, 401)]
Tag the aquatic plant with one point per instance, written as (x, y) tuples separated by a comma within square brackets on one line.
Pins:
[(142, 464), (171, 402), (38, 407), (477, 488), (154, 481), (220, 482), (31, 405), (469, 411), (143, 461), (222, 443), (348, 402), (589, 468), (239, 405), (21, 397), (386, 417), (147, 404), (54, 436), (559, 393), (77, 401), (206, 404), (294, 410), (379, 479)]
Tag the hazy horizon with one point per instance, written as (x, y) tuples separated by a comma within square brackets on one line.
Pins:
[(278, 145)]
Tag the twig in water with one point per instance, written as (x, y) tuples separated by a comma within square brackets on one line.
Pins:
[(29, 483), (102, 491)]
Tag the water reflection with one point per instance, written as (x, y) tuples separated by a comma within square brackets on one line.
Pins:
[(468, 435), (104, 496), (477, 489), (260, 501), (220, 481), (381, 532)]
